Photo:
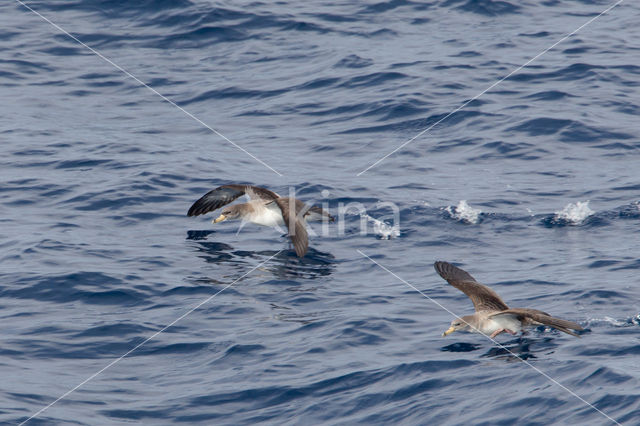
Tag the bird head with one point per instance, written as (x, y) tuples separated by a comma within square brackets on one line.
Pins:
[(229, 213), (458, 324)]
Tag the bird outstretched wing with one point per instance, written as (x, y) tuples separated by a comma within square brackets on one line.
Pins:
[(292, 214), (483, 298), (226, 194)]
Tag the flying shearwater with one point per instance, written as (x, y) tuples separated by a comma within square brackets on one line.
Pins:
[(264, 208), (492, 315)]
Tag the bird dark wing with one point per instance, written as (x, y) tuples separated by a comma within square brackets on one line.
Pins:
[(291, 209), (483, 298), (226, 194), (257, 193), (534, 316)]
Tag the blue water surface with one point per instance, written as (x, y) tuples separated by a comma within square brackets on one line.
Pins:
[(98, 171)]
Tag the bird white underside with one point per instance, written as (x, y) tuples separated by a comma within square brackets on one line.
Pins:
[(265, 215), (501, 322)]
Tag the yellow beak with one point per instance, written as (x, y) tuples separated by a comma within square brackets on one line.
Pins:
[(449, 331), (219, 219)]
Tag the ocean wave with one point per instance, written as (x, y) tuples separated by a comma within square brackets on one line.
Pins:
[(98, 172)]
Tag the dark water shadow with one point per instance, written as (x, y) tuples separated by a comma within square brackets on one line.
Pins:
[(461, 347), (284, 264), (314, 264), (199, 235), (517, 349)]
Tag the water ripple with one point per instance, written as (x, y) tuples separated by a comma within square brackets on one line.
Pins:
[(98, 173)]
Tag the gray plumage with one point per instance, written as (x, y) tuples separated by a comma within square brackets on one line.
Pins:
[(492, 314), (264, 208)]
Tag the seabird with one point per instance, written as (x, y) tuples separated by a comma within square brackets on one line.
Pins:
[(492, 315), (264, 208)]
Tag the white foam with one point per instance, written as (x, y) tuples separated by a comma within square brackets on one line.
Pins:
[(464, 212), (614, 322), (384, 231), (575, 213)]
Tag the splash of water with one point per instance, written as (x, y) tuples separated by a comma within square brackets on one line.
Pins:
[(384, 231), (464, 212), (574, 214), (635, 320)]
